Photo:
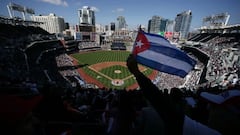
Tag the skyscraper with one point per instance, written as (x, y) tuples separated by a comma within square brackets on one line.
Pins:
[(112, 25), (154, 26), (163, 24), (121, 23), (86, 27), (149, 25), (86, 16), (51, 23), (183, 22), (170, 25), (157, 25)]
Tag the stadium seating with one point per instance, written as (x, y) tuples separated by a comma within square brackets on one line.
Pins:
[(118, 46), (33, 62)]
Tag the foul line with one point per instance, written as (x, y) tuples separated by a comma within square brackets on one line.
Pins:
[(110, 77), (100, 73)]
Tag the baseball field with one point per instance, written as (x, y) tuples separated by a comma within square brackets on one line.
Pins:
[(108, 69)]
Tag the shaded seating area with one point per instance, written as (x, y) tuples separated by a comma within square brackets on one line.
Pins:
[(118, 46)]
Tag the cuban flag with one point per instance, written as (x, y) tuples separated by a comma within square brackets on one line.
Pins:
[(158, 53)]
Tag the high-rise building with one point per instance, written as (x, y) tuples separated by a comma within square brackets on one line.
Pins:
[(154, 26), (50, 23), (121, 23), (112, 26), (183, 22), (86, 16), (170, 25), (163, 24), (106, 27), (149, 25), (66, 25), (86, 27), (157, 25), (100, 28)]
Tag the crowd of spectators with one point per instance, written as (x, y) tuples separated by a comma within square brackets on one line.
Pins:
[(20, 35), (118, 46), (191, 81), (22, 49), (88, 46), (68, 70), (13, 63), (29, 106), (223, 65), (63, 60), (109, 112)]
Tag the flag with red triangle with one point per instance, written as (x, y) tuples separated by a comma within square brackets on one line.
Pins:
[(157, 52)]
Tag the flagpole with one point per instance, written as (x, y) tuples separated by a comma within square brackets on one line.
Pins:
[(139, 28)]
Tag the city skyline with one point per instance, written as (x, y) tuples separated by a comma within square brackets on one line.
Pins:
[(135, 12)]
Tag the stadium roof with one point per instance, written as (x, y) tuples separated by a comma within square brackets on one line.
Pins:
[(16, 20), (232, 27)]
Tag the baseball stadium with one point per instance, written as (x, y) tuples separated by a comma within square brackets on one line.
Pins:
[(56, 84), (108, 69)]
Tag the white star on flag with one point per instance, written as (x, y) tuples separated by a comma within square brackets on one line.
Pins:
[(139, 43)]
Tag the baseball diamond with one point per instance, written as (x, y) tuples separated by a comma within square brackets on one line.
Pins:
[(108, 69)]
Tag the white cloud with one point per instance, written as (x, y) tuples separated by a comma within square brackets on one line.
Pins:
[(95, 9), (57, 2), (118, 10), (92, 8)]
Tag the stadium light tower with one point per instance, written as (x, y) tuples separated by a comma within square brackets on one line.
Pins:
[(216, 20), (15, 7)]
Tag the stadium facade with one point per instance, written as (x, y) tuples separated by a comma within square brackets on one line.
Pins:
[(51, 23)]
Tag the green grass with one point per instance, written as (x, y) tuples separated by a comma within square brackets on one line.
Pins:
[(101, 56), (110, 72), (91, 58)]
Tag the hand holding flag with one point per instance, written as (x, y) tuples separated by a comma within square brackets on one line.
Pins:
[(158, 53)]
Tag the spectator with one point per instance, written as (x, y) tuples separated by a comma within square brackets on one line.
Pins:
[(149, 122), (17, 115), (224, 111), (175, 121)]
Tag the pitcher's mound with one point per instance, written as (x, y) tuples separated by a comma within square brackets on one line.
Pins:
[(117, 71)]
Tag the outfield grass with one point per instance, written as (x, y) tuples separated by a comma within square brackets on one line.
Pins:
[(101, 56), (103, 75)]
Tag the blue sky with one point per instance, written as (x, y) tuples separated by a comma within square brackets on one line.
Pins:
[(136, 12)]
